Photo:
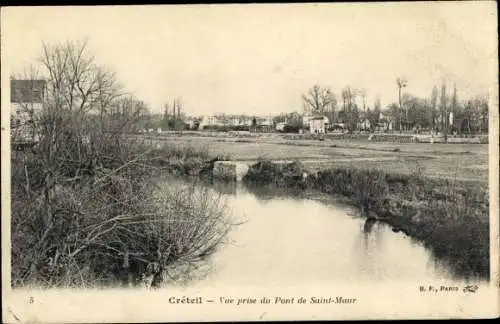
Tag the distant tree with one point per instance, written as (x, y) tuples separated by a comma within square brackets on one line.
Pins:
[(453, 109), (481, 111), (294, 119), (172, 115), (433, 107), (166, 116), (444, 112), (125, 114), (374, 115), (279, 119), (318, 100), (418, 112), (393, 114), (351, 111)]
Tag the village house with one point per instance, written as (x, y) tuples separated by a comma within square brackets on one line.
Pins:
[(190, 122), (26, 98), (241, 120), (384, 123), (316, 124), (233, 120), (364, 122), (26, 104), (208, 121)]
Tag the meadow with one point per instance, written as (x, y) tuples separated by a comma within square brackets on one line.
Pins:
[(464, 162)]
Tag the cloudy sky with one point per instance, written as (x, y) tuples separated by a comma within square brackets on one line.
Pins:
[(259, 59)]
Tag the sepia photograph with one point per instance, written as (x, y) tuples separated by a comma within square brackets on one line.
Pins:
[(239, 162)]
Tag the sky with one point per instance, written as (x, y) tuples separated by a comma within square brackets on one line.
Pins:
[(260, 59)]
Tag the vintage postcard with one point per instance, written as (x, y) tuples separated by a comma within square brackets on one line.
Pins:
[(242, 162)]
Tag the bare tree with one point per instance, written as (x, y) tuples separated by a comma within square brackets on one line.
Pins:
[(178, 121), (166, 116), (362, 92), (454, 103), (374, 116), (401, 83), (349, 106), (74, 86), (433, 106), (75, 82), (318, 100), (124, 113), (444, 112)]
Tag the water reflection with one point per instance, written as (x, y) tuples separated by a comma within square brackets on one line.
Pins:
[(369, 223), (288, 238)]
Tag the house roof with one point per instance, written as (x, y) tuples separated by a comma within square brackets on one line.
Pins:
[(26, 91)]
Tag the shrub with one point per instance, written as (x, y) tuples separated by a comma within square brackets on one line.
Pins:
[(287, 175)]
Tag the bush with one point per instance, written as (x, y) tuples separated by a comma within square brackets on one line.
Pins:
[(287, 175), (291, 129), (226, 128)]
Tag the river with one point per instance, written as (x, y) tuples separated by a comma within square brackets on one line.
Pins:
[(285, 240)]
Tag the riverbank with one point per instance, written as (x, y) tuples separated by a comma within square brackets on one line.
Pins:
[(451, 218)]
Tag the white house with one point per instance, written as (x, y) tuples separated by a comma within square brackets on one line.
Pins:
[(208, 120), (316, 124), (364, 123), (241, 121)]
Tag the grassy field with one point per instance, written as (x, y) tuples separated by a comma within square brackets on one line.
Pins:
[(467, 162)]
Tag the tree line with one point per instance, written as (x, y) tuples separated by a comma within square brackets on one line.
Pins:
[(441, 112)]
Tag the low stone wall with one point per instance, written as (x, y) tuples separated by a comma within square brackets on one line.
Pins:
[(397, 138), (426, 138)]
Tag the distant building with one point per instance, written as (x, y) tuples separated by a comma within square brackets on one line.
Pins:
[(26, 98), (385, 123), (225, 120), (280, 127), (26, 105), (364, 123), (190, 122), (207, 121), (242, 120), (317, 125)]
